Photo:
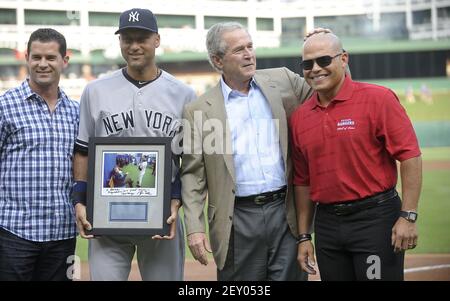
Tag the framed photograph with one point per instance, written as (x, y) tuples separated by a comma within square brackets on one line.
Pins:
[(129, 185)]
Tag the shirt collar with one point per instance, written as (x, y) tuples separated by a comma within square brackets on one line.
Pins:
[(345, 93), (226, 90), (29, 94), (26, 89)]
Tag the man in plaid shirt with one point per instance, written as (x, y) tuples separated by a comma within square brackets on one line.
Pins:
[(38, 127)]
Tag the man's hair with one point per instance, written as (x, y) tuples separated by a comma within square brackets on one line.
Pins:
[(45, 35), (214, 42)]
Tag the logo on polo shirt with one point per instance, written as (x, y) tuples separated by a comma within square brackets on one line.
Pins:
[(346, 124)]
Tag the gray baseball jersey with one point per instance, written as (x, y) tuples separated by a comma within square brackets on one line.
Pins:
[(114, 106)]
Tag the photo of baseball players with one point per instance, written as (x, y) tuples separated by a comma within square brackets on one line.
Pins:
[(122, 177)]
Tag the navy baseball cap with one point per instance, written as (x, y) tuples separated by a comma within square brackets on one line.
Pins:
[(137, 18)]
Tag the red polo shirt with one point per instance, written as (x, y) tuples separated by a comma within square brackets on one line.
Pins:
[(347, 150)]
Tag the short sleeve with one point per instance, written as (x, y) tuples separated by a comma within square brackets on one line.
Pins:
[(87, 126), (395, 130), (300, 163)]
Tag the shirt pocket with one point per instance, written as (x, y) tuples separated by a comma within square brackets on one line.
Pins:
[(27, 137)]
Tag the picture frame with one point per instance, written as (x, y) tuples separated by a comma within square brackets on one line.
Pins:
[(129, 185)]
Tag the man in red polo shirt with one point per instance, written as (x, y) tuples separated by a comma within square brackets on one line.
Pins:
[(346, 140)]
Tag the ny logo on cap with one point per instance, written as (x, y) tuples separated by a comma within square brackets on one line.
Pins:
[(133, 17)]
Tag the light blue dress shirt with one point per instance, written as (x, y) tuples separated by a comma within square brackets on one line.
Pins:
[(255, 141)]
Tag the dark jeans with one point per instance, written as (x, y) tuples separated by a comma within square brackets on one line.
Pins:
[(358, 246), (24, 260)]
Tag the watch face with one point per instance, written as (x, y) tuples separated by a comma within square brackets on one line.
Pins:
[(412, 216)]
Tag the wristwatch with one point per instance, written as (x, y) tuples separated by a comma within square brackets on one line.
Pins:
[(410, 216)]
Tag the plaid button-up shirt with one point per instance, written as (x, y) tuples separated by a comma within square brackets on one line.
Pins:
[(36, 149)]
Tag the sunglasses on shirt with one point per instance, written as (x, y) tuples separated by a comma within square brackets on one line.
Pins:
[(322, 61)]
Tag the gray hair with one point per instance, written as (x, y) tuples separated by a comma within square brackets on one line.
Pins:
[(214, 42)]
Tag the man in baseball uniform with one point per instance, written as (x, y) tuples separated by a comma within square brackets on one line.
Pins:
[(142, 168), (139, 100)]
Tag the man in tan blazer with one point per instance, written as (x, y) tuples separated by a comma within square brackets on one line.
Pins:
[(237, 157)]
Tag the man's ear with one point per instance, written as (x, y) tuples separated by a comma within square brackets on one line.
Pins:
[(157, 40), (66, 61), (345, 56), (217, 62), (345, 60)]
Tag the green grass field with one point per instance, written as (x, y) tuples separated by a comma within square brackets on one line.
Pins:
[(436, 153), (420, 111), (434, 205), (439, 110), (133, 173), (436, 84)]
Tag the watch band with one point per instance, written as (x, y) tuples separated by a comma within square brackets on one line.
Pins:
[(303, 237), (410, 216)]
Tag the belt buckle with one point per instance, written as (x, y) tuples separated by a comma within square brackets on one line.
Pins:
[(340, 209), (259, 200)]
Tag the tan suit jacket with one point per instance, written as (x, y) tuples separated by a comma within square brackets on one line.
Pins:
[(213, 174)]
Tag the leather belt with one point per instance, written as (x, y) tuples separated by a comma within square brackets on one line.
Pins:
[(349, 207), (263, 198)]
